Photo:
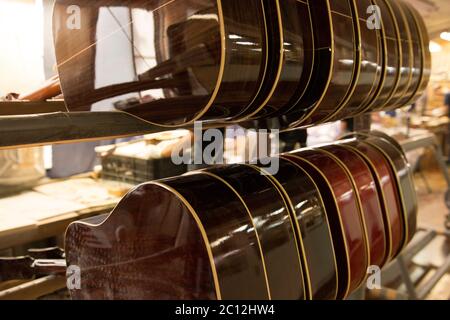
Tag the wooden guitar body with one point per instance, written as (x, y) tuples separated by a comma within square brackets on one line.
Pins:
[(309, 231), (347, 228), (115, 255), (291, 59), (202, 51), (426, 55), (195, 247), (368, 198), (370, 63), (283, 255), (392, 57), (417, 56), (406, 53), (291, 63), (312, 228), (403, 179), (389, 199)]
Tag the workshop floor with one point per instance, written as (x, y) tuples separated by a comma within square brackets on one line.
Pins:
[(432, 215)]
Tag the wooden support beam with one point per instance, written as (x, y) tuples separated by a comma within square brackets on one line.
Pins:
[(16, 108), (61, 127)]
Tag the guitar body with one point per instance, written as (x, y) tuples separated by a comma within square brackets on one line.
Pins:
[(406, 53), (170, 240), (312, 228), (404, 181), (332, 78), (347, 228), (198, 51), (142, 237), (291, 63), (369, 75), (283, 256), (417, 56), (290, 43), (309, 231), (368, 198), (392, 58), (389, 197), (425, 45)]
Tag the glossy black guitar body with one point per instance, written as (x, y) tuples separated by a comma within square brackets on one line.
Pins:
[(281, 63)]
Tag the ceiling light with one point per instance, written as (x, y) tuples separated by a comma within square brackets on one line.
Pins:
[(445, 36), (435, 47)]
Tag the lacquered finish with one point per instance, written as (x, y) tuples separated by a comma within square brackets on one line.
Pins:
[(235, 232), (299, 55), (425, 44), (406, 53), (389, 200), (291, 50), (368, 198), (295, 62), (274, 226), (235, 243), (343, 213), (203, 51), (392, 55), (312, 228), (417, 56), (334, 66), (115, 255), (171, 241), (368, 77), (404, 182)]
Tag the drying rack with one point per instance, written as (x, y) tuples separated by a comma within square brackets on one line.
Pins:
[(26, 124)]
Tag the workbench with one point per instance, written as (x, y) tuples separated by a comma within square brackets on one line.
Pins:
[(45, 212)]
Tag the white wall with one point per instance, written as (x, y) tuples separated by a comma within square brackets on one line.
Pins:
[(21, 45)]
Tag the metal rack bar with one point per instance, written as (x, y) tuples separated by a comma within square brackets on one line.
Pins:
[(428, 141), (430, 284), (407, 278)]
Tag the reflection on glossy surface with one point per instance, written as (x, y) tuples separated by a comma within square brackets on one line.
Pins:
[(312, 228), (334, 62), (173, 61), (391, 57), (230, 232), (345, 62), (235, 245), (426, 55), (150, 247), (404, 183), (170, 240), (406, 52), (392, 213), (274, 228), (293, 73), (417, 56), (365, 187), (368, 78), (343, 214), (423, 38)]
